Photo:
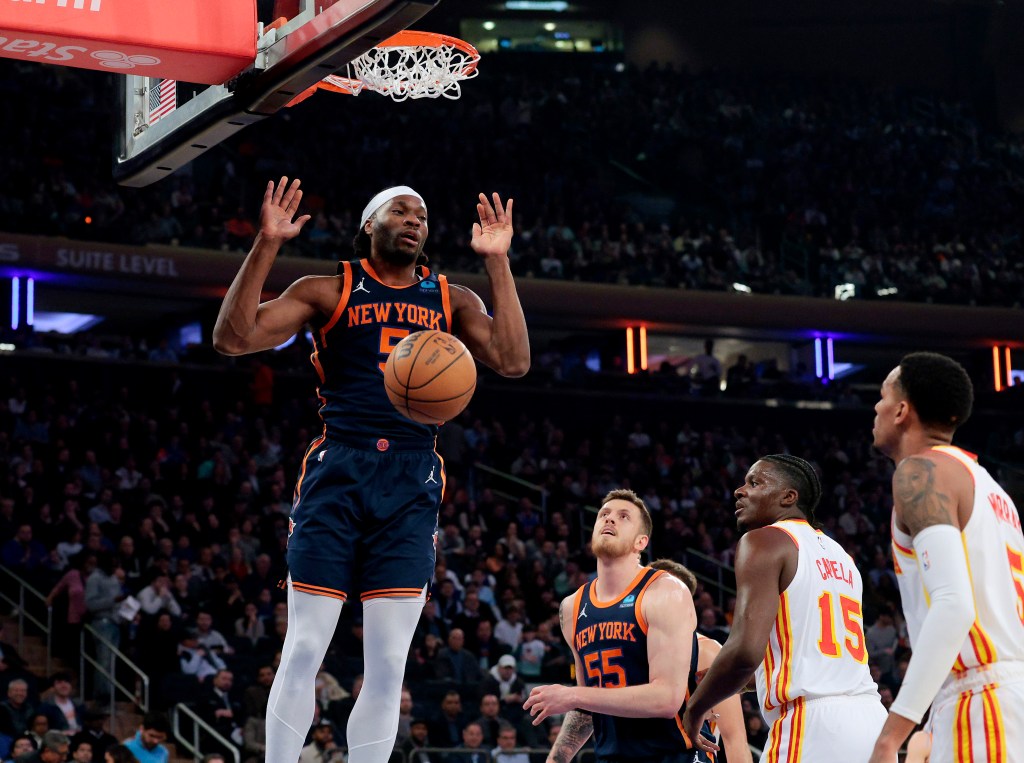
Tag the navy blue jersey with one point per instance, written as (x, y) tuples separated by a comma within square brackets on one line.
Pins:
[(611, 640), (352, 347)]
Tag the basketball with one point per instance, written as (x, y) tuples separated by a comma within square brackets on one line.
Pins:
[(430, 377)]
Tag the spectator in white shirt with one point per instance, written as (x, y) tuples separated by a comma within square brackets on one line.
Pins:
[(209, 637), (509, 629), (195, 660), (157, 597)]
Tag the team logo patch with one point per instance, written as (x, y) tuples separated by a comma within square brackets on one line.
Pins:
[(383, 445), (628, 602), (427, 285)]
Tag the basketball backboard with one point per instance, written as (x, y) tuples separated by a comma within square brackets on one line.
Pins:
[(319, 41)]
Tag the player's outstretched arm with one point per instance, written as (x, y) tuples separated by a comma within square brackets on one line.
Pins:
[(760, 558), (925, 499), (671, 620), (501, 342), (730, 712), (243, 324)]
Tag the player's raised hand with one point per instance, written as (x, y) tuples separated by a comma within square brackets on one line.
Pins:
[(492, 236), (277, 215)]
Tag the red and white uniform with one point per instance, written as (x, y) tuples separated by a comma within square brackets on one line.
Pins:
[(814, 686), (978, 714)]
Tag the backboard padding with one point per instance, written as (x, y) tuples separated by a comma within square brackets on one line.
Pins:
[(286, 67)]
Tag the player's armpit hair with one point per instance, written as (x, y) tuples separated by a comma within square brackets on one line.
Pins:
[(919, 503), (577, 727)]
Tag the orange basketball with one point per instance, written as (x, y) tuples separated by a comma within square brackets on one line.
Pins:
[(430, 377)]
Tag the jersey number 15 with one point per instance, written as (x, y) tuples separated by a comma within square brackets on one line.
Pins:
[(853, 620)]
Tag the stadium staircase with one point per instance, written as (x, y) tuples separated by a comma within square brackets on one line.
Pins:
[(127, 717)]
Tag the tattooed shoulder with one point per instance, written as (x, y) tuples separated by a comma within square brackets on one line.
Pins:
[(920, 501)]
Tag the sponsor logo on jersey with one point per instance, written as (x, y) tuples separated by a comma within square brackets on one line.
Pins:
[(427, 285), (628, 602)]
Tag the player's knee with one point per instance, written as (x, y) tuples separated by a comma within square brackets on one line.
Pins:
[(306, 654), (389, 666)]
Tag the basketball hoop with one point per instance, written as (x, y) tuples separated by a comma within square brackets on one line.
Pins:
[(408, 65)]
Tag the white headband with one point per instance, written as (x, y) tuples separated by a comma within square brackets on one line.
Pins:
[(385, 196)]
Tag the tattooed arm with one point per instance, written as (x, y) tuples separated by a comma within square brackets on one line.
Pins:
[(928, 493), (577, 726), (922, 496)]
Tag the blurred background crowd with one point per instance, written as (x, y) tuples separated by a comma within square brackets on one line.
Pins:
[(659, 177)]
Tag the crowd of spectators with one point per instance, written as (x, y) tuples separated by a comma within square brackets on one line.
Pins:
[(654, 177), (157, 511)]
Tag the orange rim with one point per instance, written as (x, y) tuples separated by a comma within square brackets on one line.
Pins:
[(411, 38), (406, 39)]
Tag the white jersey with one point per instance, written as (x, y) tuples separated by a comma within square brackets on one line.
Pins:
[(816, 647), (995, 559)]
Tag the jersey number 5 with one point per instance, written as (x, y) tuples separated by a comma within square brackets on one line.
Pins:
[(389, 337), (852, 619), (600, 667)]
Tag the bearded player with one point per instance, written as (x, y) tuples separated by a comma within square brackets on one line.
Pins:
[(625, 629)]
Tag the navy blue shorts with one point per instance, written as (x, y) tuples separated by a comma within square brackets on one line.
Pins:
[(364, 519)]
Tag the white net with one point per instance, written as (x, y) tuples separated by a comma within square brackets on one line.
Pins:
[(412, 71)]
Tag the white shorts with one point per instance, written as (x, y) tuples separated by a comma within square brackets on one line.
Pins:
[(980, 717), (832, 729)]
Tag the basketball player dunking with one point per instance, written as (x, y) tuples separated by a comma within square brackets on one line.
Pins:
[(366, 500), (959, 557), (625, 629), (798, 624)]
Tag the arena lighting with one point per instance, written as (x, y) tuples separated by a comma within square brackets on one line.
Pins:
[(742, 288), (30, 302), (630, 366), (65, 323), (817, 358), (286, 343), (831, 359), (891, 291), (489, 25), (1002, 368), (557, 6), (845, 291), (7, 347), (550, 26), (15, 302), (643, 348)]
